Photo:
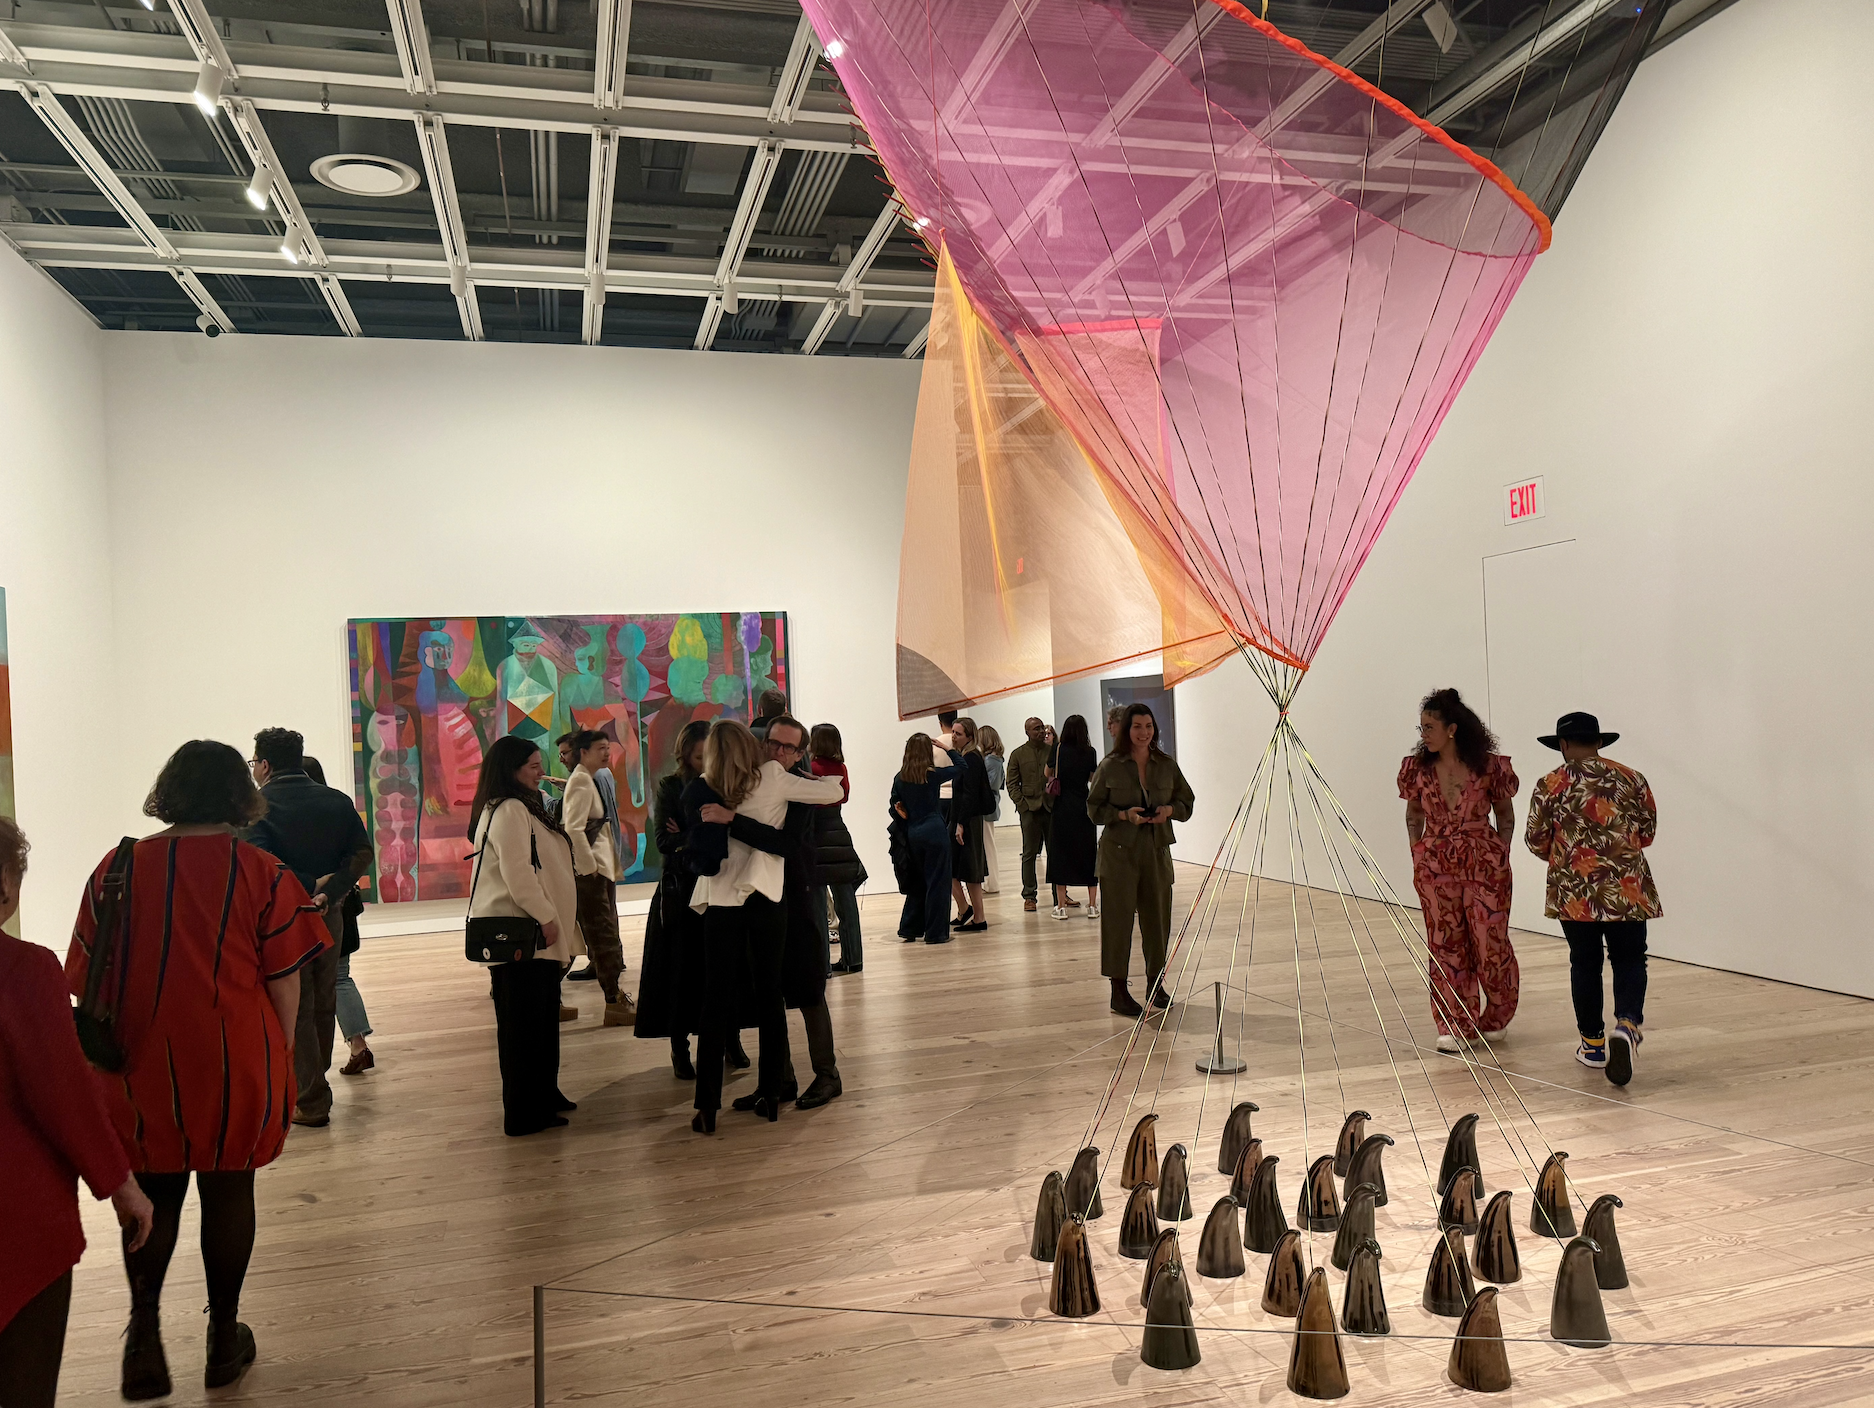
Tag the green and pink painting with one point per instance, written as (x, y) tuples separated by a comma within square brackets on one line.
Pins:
[(429, 694)]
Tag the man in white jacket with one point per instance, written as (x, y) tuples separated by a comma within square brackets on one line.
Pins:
[(591, 825)]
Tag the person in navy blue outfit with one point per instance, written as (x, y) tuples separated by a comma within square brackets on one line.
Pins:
[(915, 801)]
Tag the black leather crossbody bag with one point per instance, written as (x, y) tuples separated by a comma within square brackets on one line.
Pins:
[(502, 938)]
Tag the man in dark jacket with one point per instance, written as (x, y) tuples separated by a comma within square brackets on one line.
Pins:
[(316, 832)]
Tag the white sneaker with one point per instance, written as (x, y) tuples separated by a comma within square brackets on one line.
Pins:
[(1060, 911), (1448, 1044), (1093, 911)]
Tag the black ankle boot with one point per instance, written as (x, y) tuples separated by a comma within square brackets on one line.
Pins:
[(680, 1060), (146, 1369), (230, 1351), (1124, 1005)]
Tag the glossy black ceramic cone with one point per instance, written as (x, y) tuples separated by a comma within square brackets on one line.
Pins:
[(1318, 1209), (1352, 1131), (1138, 1225), (1610, 1267), (1236, 1134), (1174, 1185), (1365, 1166), (1141, 1165), (1316, 1367), (1461, 1152), (1497, 1257), (1458, 1207), (1263, 1219), (1072, 1293), (1479, 1361), (1170, 1339), (1448, 1284), (1576, 1315), (1083, 1185), (1552, 1215), (1164, 1253), (1245, 1175), (1363, 1307), (1282, 1281), (1220, 1247), (1050, 1214), (1356, 1224)]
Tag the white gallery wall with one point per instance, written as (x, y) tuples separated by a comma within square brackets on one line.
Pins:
[(1688, 368)]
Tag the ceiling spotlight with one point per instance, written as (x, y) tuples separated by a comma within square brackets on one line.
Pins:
[(208, 81), (836, 49), (290, 250), (261, 187), (149, 4)]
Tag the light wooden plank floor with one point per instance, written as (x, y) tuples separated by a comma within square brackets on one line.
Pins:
[(876, 1250)]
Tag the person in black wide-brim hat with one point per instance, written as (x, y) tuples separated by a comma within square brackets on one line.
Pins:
[(1591, 820)]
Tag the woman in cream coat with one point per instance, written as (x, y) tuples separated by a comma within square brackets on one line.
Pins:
[(524, 868)]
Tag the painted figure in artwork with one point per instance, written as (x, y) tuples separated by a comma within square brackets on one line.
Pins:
[(530, 688)]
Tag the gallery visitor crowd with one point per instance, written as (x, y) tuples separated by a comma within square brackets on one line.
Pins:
[(210, 960)]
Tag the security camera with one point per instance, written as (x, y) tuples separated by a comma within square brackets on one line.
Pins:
[(208, 325)]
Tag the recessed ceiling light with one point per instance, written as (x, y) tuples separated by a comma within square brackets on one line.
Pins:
[(365, 174)]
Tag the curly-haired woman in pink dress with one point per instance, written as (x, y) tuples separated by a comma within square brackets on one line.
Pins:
[(1459, 794)]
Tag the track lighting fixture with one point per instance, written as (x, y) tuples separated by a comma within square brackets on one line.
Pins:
[(261, 187), (208, 81)]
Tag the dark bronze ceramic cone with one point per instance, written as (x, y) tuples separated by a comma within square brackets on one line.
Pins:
[(1141, 1165), (1164, 1253), (1497, 1258), (1458, 1207), (1365, 1166), (1316, 1366), (1245, 1174), (1220, 1248), (1050, 1214), (1083, 1185), (1461, 1152), (1448, 1284), (1363, 1307), (1352, 1131), (1174, 1185), (1236, 1134), (1319, 1207), (1479, 1361), (1170, 1340), (1263, 1219), (1552, 1215), (1282, 1281), (1356, 1224), (1138, 1225), (1576, 1315), (1072, 1293), (1610, 1267)]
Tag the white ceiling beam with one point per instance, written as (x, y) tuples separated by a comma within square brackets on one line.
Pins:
[(411, 36), (735, 244), (198, 27), (823, 326), (600, 188), (432, 137), (608, 73), (11, 53), (916, 345), (93, 163), (796, 74), (712, 319), (849, 280)]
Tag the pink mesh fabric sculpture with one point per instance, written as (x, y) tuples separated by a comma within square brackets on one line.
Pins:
[(1248, 283)]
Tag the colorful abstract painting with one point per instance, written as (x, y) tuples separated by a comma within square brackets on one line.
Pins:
[(429, 694)]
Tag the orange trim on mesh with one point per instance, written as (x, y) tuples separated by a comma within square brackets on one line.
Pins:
[(1487, 168), (1084, 671)]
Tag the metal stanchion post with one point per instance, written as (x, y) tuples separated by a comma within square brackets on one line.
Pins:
[(540, 1347), (1214, 1062)]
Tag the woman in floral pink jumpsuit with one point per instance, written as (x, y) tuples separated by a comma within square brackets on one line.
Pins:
[(1459, 815)]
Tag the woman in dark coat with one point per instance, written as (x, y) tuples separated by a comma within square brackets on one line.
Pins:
[(970, 803), (915, 802), (1073, 844), (670, 983), (837, 867)]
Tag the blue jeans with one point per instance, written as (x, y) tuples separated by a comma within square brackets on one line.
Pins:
[(846, 906), (352, 1021)]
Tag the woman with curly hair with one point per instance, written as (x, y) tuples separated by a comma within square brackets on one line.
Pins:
[(1460, 813)]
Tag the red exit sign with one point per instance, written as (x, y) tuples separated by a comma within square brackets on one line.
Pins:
[(1523, 501)]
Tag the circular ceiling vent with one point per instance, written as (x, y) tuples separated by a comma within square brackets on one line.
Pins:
[(362, 174)]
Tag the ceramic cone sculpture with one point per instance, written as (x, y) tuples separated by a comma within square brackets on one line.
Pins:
[(1576, 1315), (1072, 1293), (1552, 1215), (1263, 1219), (1610, 1267), (1479, 1361), (1141, 1165), (1363, 1307), (1458, 1207), (1461, 1152), (1282, 1281), (1174, 1185), (1316, 1366), (1448, 1284), (1365, 1167), (1356, 1224), (1170, 1340), (1083, 1185), (1235, 1135), (1220, 1248), (1352, 1132), (1050, 1214), (1497, 1258), (1138, 1225), (1244, 1175), (1164, 1253), (1319, 1207)]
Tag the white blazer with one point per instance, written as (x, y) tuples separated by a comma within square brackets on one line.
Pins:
[(583, 804), (508, 836), (748, 871)]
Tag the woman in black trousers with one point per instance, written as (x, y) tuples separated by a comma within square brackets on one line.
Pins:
[(914, 801)]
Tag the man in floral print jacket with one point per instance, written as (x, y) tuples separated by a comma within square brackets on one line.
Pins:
[(1592, 820)]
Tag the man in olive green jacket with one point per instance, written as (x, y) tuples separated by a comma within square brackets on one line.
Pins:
[(1028, 789)]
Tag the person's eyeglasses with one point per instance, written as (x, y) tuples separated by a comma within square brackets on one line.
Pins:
[(794, 748)]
